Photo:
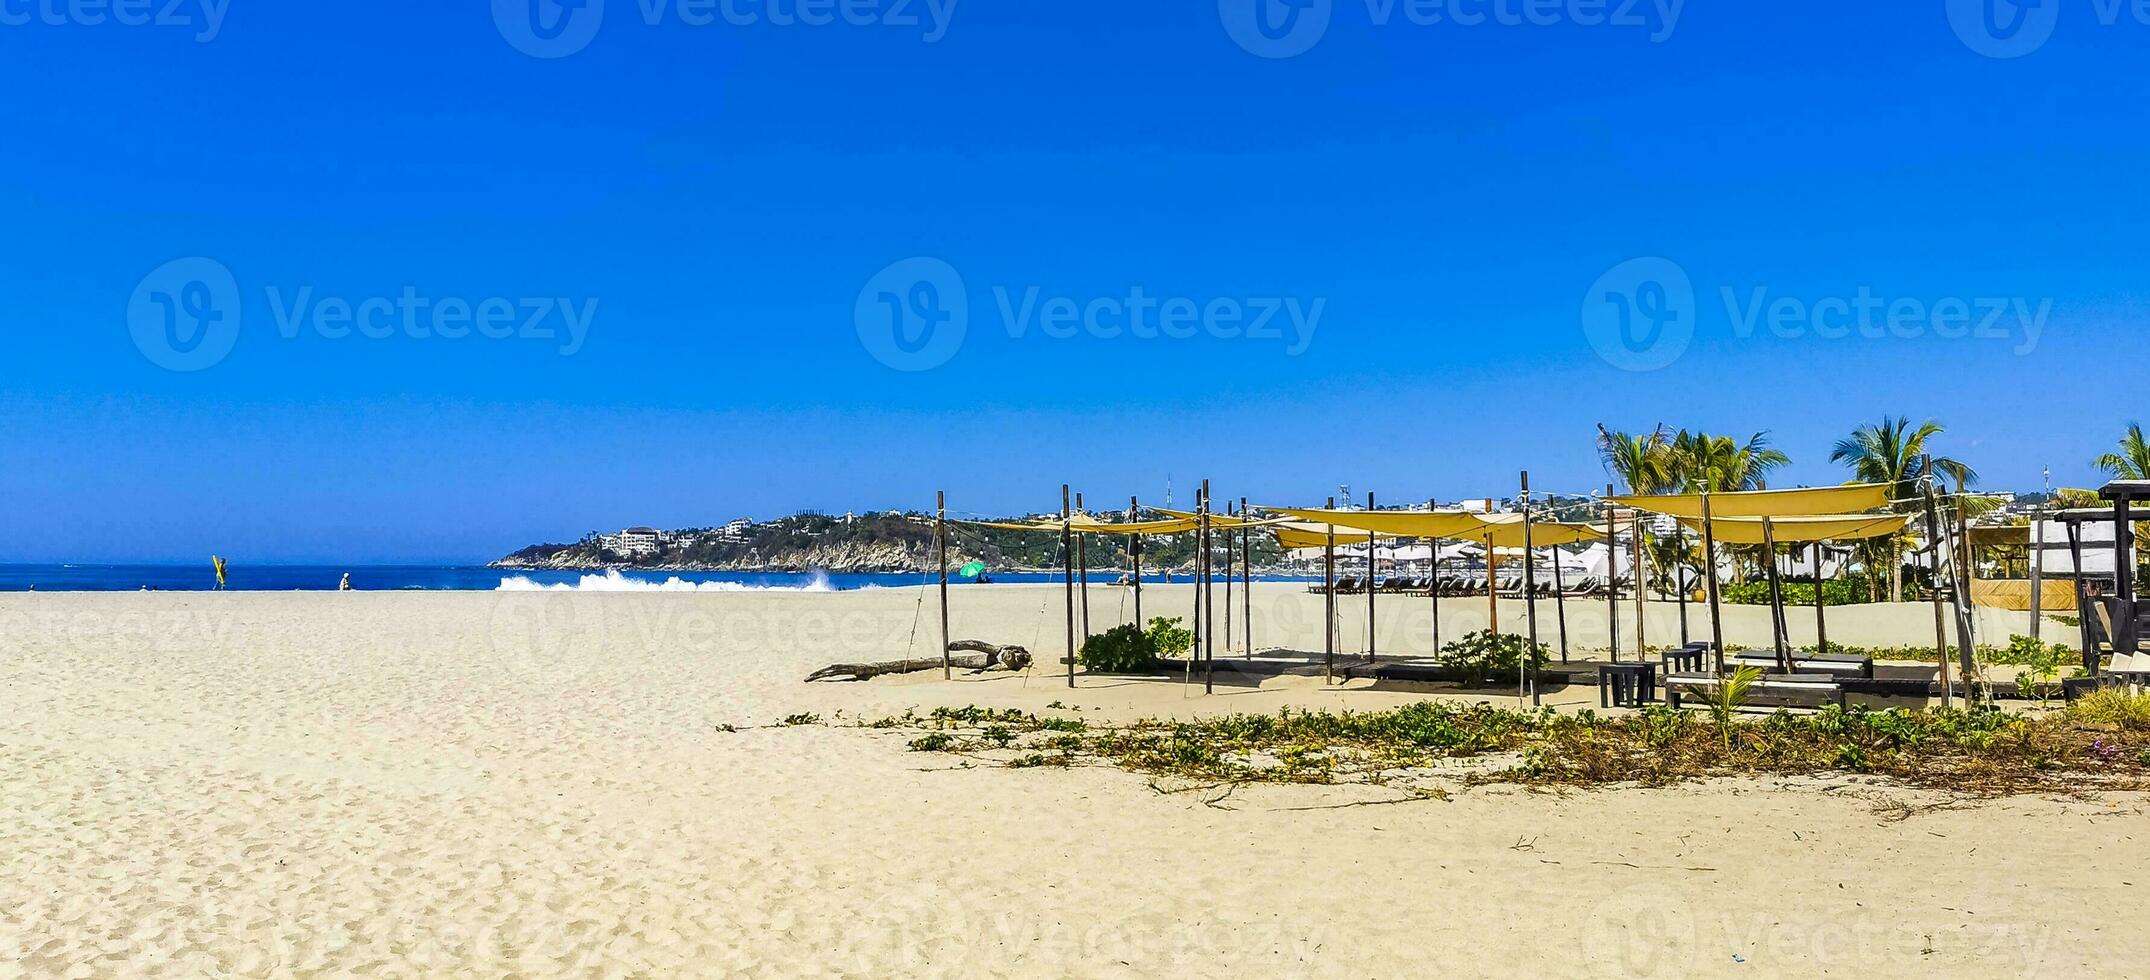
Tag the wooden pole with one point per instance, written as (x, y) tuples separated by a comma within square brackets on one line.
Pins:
[(1134, 516), (1776, 598), (1612, 574), (2037, 560), (1194, 651), (1709, 581), (1642, 584), (2092, 661), (1933, 555), (1246, 569), (2125, 625), (1560, 603), (1230, 555), (1209, 612), (1328, 609), (1821, 601), (1966, 622), (940, 542), (1067, 555), (1370, 590), (1528, 678), (1082, 562), (1679, 581), (1433, 568)]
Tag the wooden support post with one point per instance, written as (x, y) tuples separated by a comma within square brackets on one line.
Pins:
[(1966, 622), (1560, 603), (1328, 609), (1642, 584), (1370, 590), (1246, 569), (1134, 516), (1709, 581), (2037, 563), (2125, 624), (1528, 678), (1067, 555), (1933, 555), (1776, 597), (1679, 580), (1230, 553), (1082, 564), (1821, 601), (1209, 611), (2092, 661), (1433, 568), (1612, 574), (940, 543)]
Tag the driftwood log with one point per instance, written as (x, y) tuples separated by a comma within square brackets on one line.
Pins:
[(982, 656)]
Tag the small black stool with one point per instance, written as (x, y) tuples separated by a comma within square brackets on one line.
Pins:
[(1626, 685), (1685, 660)]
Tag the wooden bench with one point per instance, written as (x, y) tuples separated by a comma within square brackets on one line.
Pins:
[(1790, 689), (1832, 664)]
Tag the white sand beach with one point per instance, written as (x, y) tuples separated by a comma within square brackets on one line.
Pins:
[(538, 784)]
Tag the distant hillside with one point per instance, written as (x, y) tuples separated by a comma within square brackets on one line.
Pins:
[(870, 543)]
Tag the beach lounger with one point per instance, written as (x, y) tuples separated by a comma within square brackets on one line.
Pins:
[(1794, 690), (1831, 664)]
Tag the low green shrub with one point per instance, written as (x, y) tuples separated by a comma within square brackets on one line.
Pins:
[(1169, 637), (1123, 649), (1486, 658)]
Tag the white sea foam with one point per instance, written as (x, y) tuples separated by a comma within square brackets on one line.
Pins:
[(613, 581)]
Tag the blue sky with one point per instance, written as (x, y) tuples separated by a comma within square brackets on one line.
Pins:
[(1449, 198)]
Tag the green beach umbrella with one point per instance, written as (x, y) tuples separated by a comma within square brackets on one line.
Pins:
[(971, 570)]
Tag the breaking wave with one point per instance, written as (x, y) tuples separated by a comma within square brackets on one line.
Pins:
[(613, 581)]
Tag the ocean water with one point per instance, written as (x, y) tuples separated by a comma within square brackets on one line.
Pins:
[(459, 578)]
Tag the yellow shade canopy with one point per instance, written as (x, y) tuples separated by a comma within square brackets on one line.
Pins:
[(1091, 525), (1796, 530), (1506, 531), (1053, 526), (1394, 523), (1217, 520), (1495, 530), (1811, 502), (1296, 534)]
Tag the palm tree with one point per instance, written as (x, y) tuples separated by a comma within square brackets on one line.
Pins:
[(1894, 453), (1643, 462), (1705, 463), (2132, 462)]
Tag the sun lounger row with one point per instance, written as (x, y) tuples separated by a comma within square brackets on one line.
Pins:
[(1467, 584)]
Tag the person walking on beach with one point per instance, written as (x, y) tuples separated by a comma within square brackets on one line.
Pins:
[(218, 561), (346, 586)]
